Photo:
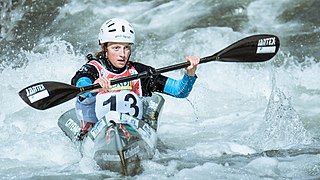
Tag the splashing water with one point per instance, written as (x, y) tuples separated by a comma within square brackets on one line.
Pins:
[(282, 127), (236, 115)]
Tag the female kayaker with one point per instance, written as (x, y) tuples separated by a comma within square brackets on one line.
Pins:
[(116, 39)]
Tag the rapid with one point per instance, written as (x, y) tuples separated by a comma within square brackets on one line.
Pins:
[(241, 121)]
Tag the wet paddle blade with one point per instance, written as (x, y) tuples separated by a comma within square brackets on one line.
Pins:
[(45, 95), (256, 48)]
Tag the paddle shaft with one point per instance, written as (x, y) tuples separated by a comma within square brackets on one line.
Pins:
[(256, 48)]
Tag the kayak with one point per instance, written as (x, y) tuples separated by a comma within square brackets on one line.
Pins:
[(118, 142)]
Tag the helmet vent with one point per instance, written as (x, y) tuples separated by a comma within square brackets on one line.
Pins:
[(111, 24), (112, 30), (131, 31), (123, 29)]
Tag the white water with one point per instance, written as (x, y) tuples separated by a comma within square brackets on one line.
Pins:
[(234, 113)]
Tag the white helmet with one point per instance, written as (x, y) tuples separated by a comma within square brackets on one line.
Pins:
[(116, 30)]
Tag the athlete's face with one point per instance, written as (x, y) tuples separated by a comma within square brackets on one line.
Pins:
[(118, 53)]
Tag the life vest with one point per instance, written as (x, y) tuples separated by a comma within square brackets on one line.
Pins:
[(123, 97)]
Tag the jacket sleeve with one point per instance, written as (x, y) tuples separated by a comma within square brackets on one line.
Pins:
[(86, 70), (180, 88), (85, 76)]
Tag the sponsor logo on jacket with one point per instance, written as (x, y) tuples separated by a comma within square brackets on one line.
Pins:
[(122, 86)]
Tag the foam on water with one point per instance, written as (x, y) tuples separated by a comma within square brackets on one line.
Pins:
[(38, 142)]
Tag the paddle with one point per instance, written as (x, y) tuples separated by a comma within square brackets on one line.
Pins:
[(256, 48)]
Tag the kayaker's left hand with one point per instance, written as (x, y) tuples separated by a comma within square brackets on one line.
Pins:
[(194, 61)]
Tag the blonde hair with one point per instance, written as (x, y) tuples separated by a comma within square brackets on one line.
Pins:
[(102, 53)]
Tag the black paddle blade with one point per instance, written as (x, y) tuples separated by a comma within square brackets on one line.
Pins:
[(45, 95), (256, 48)]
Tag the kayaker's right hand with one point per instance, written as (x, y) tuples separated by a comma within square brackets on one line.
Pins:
[(104, 82), (194, 61)]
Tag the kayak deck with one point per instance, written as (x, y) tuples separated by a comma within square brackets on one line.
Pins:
[(118, 145)]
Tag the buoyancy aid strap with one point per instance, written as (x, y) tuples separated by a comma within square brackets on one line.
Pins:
[(97, 65)]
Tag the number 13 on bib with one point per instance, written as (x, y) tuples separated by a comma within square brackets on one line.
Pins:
[(124, 102)]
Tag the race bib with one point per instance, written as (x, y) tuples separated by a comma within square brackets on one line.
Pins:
[(124, 102)]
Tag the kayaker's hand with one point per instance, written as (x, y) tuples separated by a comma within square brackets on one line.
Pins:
[(194, 61), (104, 82)]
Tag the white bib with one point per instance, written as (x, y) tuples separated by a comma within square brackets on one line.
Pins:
[(124, 102)]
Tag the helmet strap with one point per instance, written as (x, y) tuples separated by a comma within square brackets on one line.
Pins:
[(112, 68)]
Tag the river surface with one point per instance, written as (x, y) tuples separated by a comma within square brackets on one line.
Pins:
[(241, 121)]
